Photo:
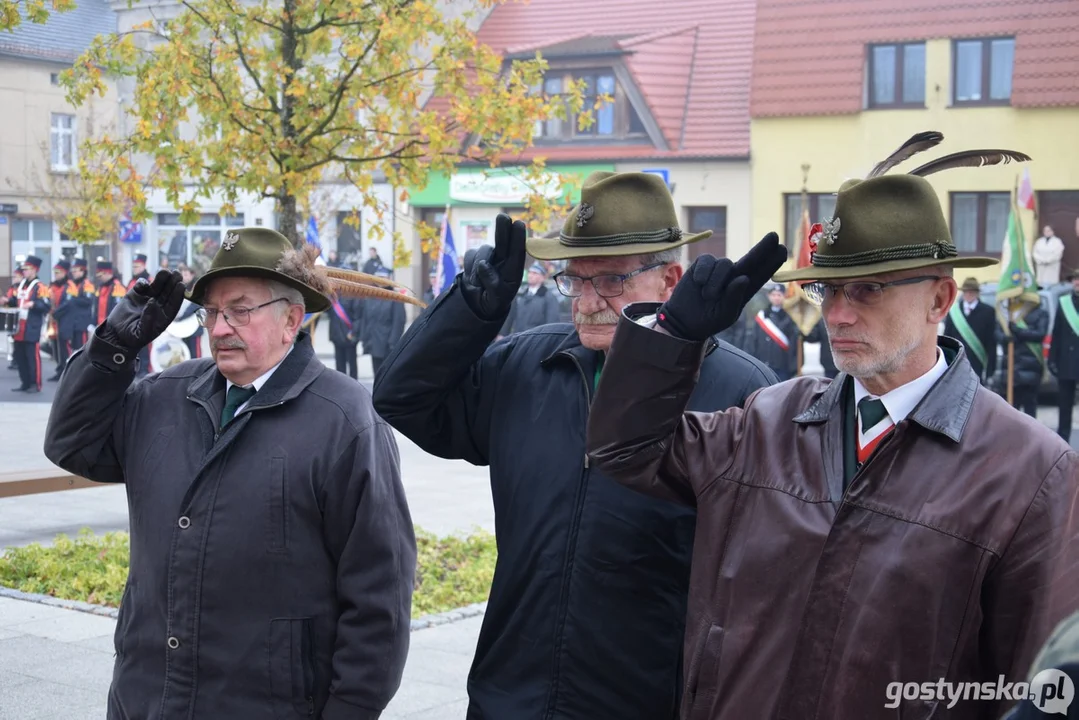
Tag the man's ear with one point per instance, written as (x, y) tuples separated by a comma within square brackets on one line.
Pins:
[(671, 275), (945, 295), (293, 321)]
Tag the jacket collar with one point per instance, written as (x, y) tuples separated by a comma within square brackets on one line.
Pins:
[(945, 409), (571, 347), (295, 373)]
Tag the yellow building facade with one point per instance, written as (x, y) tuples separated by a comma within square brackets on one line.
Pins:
[(839, 147)]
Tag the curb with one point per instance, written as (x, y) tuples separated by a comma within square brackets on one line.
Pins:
[(420, 623)]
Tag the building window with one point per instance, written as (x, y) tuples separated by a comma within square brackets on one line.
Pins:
[(821, 207), (193, 245), (62, 142), (707, 218), (897, 75), (350, 238), (983, 71), (615, 120), (980, 221)]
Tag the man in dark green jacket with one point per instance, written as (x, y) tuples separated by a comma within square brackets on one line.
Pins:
[(587, 609)]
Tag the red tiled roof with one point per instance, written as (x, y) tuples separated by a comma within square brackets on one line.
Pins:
[(809, 55), (690, 60)]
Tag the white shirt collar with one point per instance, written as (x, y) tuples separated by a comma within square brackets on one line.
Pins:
[(901, 401), (261, 379), (968, 306)]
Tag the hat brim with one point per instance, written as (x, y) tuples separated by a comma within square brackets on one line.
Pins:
[(815, 272), (553, 249), (313, 301)]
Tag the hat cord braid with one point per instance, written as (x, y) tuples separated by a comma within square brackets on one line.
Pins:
[(631, 238), (935, 250)]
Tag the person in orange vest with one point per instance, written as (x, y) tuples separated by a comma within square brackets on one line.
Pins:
[(16, 278), (61, 292), (32, 300), (138, 270), (110, 290)]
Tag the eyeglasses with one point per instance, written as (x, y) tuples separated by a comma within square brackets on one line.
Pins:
[(234, 316), (857, 293), (606, 286)]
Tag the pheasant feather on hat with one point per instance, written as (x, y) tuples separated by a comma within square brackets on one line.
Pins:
[(893, 222)]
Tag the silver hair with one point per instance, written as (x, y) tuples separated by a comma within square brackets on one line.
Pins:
[(670, 257), (279, 289)]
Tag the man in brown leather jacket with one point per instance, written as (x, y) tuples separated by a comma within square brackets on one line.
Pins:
[(865, 546)]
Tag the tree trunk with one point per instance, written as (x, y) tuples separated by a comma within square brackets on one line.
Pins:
[(287, 217)]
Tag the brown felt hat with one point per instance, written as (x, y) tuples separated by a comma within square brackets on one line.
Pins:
[(971, 284), (885, 224), (629, 213), (259, 252)]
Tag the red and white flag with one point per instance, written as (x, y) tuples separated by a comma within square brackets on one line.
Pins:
[(1026, 191)]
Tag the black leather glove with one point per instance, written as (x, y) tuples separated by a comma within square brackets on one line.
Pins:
[(711, 295), (492, 275), (145, 312)]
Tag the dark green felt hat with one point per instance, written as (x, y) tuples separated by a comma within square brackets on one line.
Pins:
[(887, 223), (264, 253), (629, 213)]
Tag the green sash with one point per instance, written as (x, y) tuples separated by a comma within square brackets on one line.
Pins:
[(1034, 347), (965, 330), (1067, 304)]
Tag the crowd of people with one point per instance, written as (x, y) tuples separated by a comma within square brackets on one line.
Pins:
[(681, 532)]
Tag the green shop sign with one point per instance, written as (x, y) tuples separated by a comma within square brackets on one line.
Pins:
[(500, 186)]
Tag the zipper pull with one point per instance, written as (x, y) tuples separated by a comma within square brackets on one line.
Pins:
[(586, 461)]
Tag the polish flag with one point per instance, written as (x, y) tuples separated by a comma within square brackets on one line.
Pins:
[(1026, 191)]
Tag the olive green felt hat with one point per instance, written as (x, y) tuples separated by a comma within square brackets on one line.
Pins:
[(629, 213), (264, 253), (887, 223)]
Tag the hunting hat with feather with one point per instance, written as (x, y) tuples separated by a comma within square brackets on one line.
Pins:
[(264, 253), (887, 223)]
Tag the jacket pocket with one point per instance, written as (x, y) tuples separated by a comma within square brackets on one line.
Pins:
[(704, 671), (278, 506), (291, 657)]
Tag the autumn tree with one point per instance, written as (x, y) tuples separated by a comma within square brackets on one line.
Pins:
[(14, 12), (278, 95)]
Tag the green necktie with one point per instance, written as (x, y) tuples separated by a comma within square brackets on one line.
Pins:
[(236, 397), (871, 412)]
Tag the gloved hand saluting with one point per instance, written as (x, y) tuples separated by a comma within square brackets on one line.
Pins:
[(492, 275), (145, 312), (710, 296)]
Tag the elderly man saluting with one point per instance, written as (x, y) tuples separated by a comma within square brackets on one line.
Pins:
[(897, 527), (586, 611), (272, 551)]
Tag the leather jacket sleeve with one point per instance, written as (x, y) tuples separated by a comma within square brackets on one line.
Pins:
[(639, 432), (1034, 585)]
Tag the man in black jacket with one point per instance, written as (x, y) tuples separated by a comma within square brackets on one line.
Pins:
[(974, 324), (1027, 333), (586, 613), (1064, 355), (772, 337)]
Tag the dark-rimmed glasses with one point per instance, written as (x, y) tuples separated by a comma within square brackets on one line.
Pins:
[(606, 286), (858, 293), (234, 316)]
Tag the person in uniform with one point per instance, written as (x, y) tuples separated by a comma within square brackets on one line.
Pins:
[(16, 279), (138, 272), (1064, 355), (897, 526), (383, 323), (62, 291), (32, 300), (82, 313), (1027, 333), (110, 290), (974, 324), (773, 335), (587, 607), (535, 304), (273, 556)]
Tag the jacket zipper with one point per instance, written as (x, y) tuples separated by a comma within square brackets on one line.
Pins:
[(571, 552)]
